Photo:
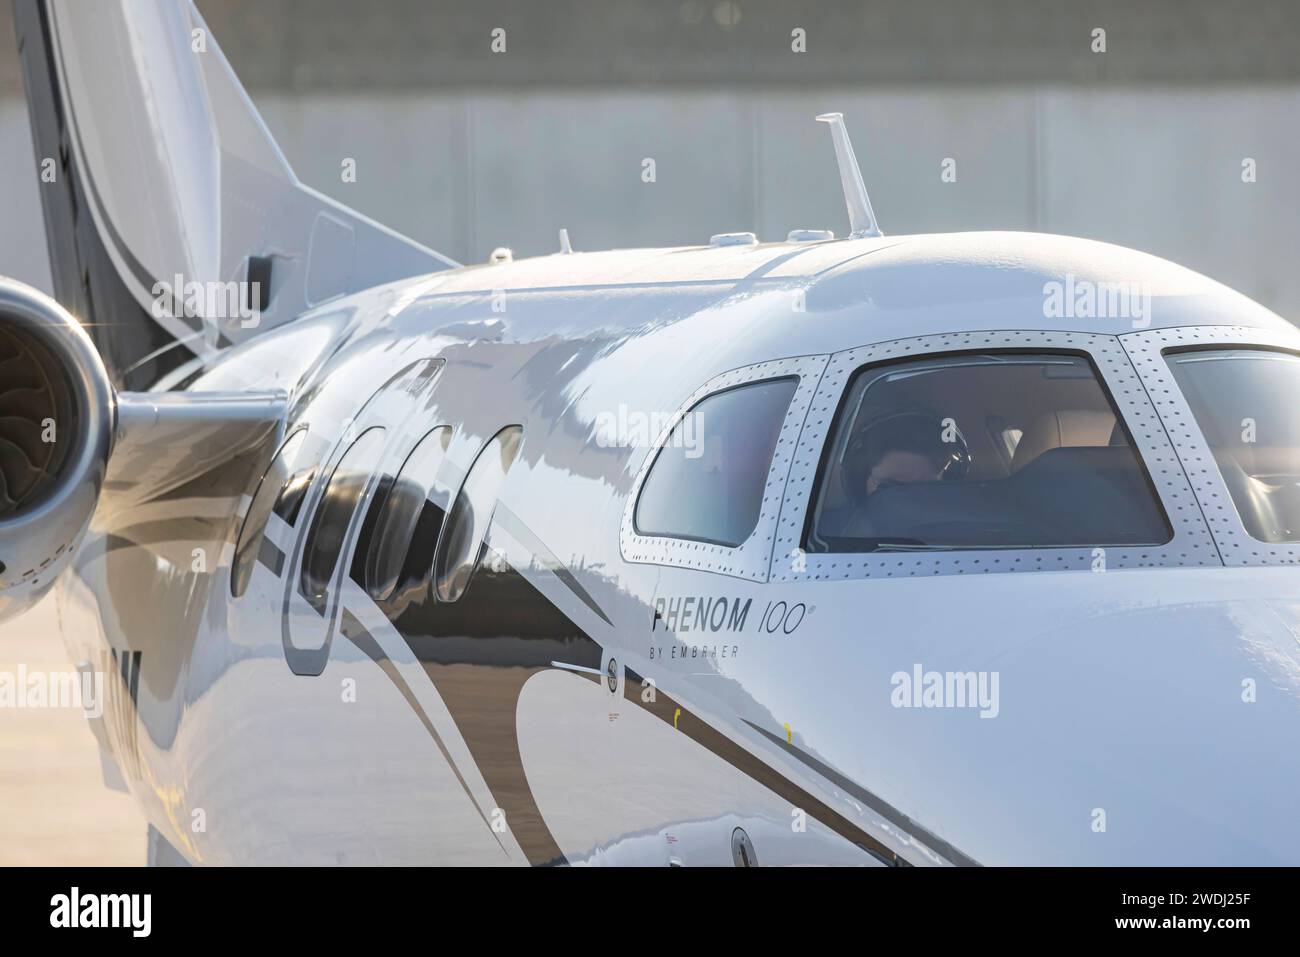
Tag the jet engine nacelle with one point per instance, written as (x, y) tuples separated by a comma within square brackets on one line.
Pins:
[(56, 431)]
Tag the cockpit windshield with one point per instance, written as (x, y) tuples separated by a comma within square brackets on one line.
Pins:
[(1006, 450), (1247, 404)]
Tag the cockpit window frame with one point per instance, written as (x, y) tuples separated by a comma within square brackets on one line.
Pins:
[(751, 558), (1190, 545), (1148, 351)]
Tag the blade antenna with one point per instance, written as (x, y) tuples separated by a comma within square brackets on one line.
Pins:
[(862, 221)]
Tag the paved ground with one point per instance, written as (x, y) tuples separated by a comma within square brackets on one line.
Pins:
[(54, 807)]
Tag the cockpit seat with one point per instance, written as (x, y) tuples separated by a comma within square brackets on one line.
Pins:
[(1063, 428)]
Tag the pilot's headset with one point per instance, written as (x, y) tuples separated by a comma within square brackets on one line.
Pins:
[(949, 443)]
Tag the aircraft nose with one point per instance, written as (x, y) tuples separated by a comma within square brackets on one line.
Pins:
[(1164, 735), (1144, 717)]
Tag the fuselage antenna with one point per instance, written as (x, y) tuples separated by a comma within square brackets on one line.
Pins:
[(565, 246), (862, 221)]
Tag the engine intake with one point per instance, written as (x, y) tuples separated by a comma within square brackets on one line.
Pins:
[(56, 428)]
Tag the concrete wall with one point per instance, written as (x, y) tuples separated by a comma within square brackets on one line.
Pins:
[(1154, 168), (22, 230), (466, 150)]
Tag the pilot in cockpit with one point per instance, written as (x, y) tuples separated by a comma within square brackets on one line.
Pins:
[(902, 447)]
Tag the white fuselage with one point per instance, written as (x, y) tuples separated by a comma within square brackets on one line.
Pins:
[(476, 740)]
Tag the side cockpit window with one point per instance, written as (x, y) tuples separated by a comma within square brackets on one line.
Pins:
[(708, 480), (1247, 404), (981, 451)]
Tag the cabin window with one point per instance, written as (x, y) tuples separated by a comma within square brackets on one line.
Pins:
[(1247, 404), (288, 503), (279, 492), (708, 479), (981, 451), (328, 532), (400, 553), (467, 524)]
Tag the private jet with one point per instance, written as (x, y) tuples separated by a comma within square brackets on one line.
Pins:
[(928, 550)]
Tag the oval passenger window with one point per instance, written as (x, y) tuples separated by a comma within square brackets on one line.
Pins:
[(467, 525), (329, 527), (280, 475), (410, 520)]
